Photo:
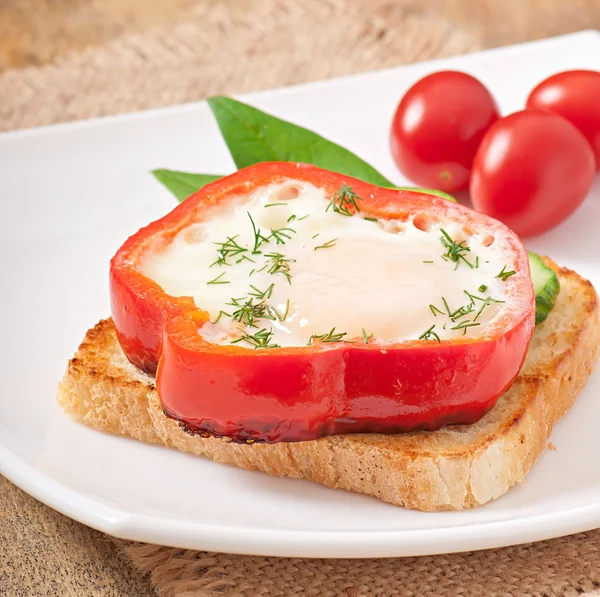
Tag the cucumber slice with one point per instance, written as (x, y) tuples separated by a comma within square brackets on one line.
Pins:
[(545, 285), (428, 192)]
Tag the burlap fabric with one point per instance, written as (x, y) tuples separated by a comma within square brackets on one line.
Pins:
[(234, 47)]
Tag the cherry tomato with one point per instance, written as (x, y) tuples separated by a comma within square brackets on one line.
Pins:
[(437, 128), (532, 170), (574, 95)]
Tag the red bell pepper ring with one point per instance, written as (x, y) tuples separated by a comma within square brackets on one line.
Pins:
[(306, 392)]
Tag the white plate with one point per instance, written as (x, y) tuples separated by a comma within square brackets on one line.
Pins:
[(72, 193)]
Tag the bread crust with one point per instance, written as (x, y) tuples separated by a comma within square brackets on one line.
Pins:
[(453, 468)]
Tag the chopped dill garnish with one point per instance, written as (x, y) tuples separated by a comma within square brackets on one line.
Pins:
[(281, 235), (428, 334), (482, 288), (463, 325), (218, 280), (331, 336), (247, 312), (291, 218), (371, 219), (472, 297), (344, 199), (435, 310), (303, 217), (259, 239), (261, 294), (486, 303), (464, 310), (455, 252), (446, 306), (274, 204), (504, 275), (279, 265), (427, 261), (245, 258), (221, 313), (327, 245), (365, 337), (287, 310), (230, 248), (276, 314), (461, 312), (261, 339)]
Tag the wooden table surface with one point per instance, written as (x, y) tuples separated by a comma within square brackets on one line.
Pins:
[(35, 32)]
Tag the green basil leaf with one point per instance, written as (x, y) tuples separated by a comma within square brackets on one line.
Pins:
[(183, 184), (253, 136)]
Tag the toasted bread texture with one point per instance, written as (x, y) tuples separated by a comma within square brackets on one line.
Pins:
[(450, 469)]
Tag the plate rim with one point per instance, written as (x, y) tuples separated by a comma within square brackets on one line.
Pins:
[(293, 543)]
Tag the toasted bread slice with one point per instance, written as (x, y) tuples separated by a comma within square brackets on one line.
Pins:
[(450, 469)]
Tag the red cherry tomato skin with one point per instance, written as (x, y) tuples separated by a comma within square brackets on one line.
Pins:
[(532, 170), (437, 128), (574, 95)]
